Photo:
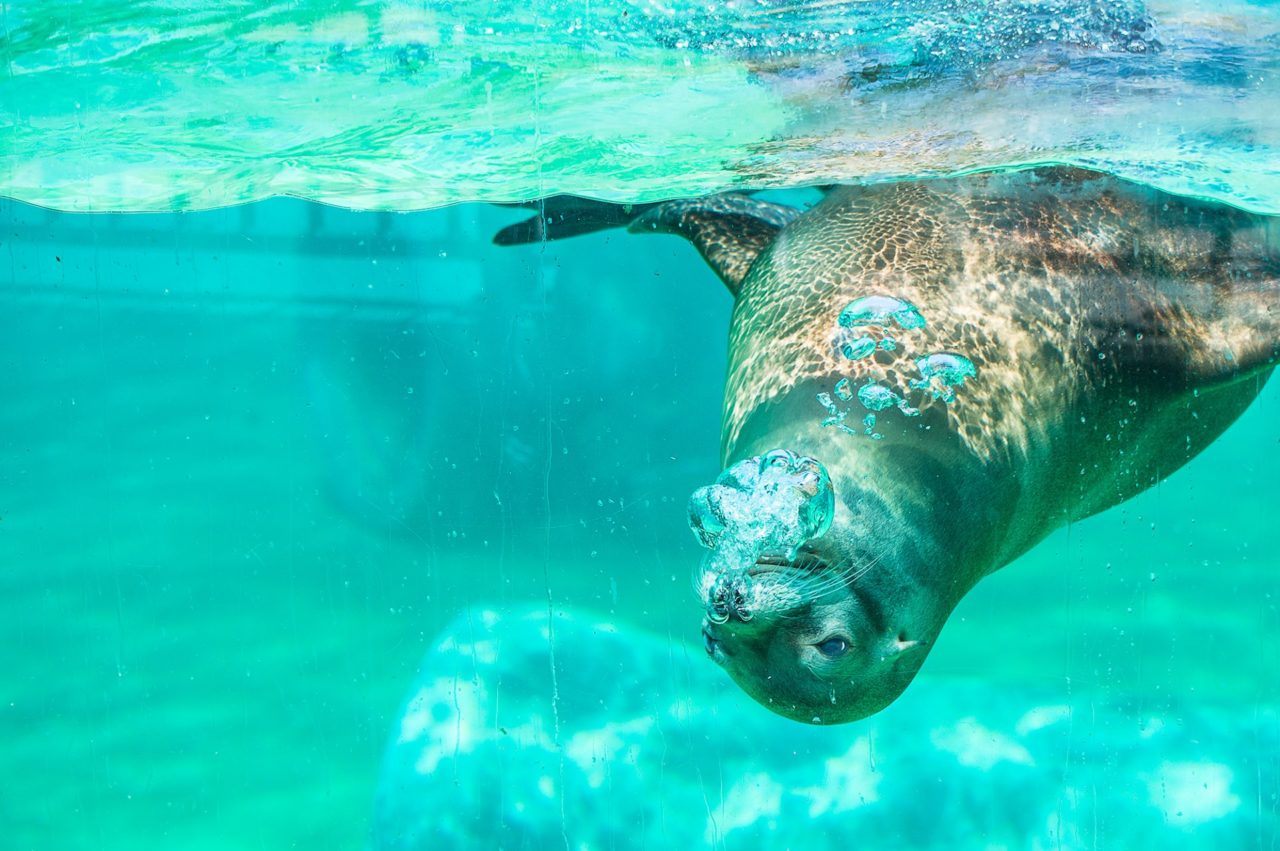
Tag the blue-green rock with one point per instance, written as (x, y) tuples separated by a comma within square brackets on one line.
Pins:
[(613, 738)]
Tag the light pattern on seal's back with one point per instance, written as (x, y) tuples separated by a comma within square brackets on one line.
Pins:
[(1043, 280)]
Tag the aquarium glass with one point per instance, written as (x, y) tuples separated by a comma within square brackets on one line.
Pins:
[(326, 522)]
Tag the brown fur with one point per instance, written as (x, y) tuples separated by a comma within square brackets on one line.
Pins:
[(1116, 331), (1075, 295)]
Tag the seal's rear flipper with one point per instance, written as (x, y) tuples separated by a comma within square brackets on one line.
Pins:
[(563, 216), (1210, 307), (729, 230)]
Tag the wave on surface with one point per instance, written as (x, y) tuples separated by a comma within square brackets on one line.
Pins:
[(168, 105)]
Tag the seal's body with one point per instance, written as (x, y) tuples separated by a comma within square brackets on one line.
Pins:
[(1115, 331)]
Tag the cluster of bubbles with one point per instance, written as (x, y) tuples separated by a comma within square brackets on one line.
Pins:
[(940, 372), (764, 506)]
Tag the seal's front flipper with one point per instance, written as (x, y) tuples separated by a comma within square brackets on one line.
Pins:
[(728, 230), (563, 216)]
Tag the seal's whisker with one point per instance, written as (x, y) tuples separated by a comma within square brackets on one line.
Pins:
[(832, 578), (695, 580), (844, 575), (822, 585), (801, 581), (864, 570)]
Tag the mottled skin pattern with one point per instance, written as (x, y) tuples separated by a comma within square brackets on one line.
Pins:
[(729, 230), (1116, 330)]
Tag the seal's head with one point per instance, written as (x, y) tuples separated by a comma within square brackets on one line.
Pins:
[(802, 641), (787, 615)]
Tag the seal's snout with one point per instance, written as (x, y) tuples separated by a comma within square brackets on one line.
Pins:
[(730, 599), (709, 642)]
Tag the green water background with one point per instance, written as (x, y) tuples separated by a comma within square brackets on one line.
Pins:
[(252, 460)]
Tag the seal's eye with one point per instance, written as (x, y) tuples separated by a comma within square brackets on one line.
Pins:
[(834, 647)]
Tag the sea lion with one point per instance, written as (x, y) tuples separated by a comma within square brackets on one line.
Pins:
[(1101, 334)]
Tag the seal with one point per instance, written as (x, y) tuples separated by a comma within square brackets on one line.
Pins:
[(1024, 349)]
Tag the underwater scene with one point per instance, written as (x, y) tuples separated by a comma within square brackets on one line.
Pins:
[(631, 424)]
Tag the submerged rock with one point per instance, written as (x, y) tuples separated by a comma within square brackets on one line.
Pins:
[(523, 731)]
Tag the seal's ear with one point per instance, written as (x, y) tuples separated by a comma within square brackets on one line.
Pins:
[(729, 230)]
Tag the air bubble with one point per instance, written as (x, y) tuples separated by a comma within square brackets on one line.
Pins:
[(858, 348), (876, 397), (941, 372), (836, 416), (765, 505), (880, 310)]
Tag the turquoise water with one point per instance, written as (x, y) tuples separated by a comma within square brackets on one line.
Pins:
[(346, 529), (254, 461)]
